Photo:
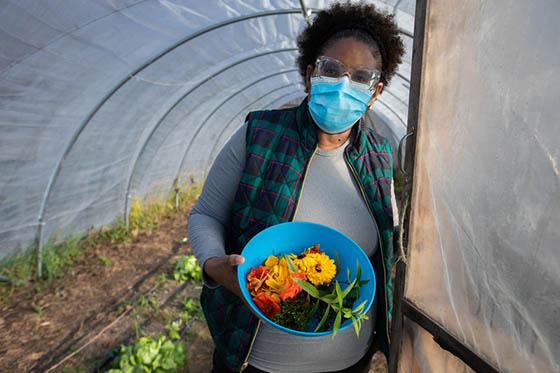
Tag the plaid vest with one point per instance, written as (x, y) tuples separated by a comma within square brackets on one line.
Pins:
[(280, 144)]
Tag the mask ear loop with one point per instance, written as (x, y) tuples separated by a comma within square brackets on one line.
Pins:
[(374, 93)]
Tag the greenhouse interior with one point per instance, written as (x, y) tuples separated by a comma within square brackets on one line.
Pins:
[(112, 113)]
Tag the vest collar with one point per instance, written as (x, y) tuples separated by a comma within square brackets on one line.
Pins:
[(307, 129)]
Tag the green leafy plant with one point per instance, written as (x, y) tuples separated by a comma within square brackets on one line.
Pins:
[(337, 300), (192, 308), (149, 354), (149, 301), (187, 269), (116, 234), (174, 329)]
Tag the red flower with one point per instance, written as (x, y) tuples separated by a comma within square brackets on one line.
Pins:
[(291, 288), (266, 304), (256, 278)]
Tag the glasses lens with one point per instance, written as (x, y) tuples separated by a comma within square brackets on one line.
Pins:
[(362, 76), (331, 68)]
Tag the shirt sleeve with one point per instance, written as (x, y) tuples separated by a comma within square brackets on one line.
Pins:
[(210, 216)]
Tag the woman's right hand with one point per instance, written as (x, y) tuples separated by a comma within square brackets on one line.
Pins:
[(223, 270)]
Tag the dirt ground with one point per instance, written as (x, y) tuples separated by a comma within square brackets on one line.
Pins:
[(75, 323)]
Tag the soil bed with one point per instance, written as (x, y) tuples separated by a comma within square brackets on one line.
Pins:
[(93, 307)]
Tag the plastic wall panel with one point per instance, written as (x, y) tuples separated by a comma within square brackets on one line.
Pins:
[(199, 152), (421, 354), (58, 63), (102, 157), (178, 128), (484, 241)]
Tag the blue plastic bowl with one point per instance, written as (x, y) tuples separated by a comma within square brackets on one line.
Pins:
[(294, 237)]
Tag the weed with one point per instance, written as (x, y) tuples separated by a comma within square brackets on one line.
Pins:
[(126, 304), (116, 234), (21, 264), (38, 309), (161, 278), (105, 261), (136, 327)]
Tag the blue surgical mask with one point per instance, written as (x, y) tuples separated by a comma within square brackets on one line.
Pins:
[(336, 104)]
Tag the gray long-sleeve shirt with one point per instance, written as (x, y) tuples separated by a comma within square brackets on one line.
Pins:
[(330, 196)]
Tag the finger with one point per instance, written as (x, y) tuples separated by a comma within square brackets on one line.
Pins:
[(235, 259)]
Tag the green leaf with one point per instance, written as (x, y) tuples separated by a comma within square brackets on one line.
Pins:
[(356, 325), (337, 322), (329, 298), (148, 353), (290, 263), (358, 270), (338, 293), (337, 260), (347, 290), (157, 362), (310, 289), (348, 273), (360, 307), (323, 319), (347, 313)]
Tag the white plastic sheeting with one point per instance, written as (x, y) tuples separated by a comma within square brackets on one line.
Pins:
[(484, 237), (101, 101)]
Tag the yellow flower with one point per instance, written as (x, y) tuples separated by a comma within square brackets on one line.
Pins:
[(318, 267), (271, 261), (278, 274)]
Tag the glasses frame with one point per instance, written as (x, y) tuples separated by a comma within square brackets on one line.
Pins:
[(375, 75)]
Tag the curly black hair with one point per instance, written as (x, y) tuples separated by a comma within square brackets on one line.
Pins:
[(362, 21)]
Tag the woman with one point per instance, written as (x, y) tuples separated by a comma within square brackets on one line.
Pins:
[(314, 162)]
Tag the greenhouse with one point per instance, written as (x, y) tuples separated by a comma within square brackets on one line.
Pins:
[(113, 112)]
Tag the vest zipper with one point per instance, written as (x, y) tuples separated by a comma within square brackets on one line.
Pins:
[(303, 181), (378, 237), (246, 361)]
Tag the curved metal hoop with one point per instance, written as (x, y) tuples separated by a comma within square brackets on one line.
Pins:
[(216, 109), (228, 124), (170, 109)]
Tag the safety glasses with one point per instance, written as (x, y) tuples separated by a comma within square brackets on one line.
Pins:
[(332, 68)]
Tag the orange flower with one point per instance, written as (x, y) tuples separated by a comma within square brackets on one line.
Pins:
[(256, 278), (291, 288), (266, 304)]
